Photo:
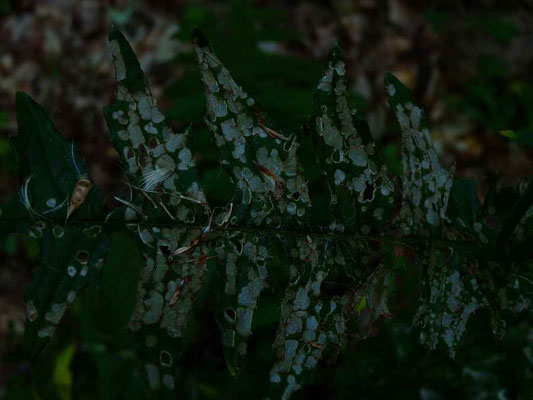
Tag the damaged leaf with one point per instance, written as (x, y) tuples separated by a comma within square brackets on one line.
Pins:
[(265, 239)]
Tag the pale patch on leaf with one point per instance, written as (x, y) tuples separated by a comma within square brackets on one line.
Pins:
[(426, 184)]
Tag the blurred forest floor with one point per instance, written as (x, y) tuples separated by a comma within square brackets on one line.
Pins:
[(469, 66)]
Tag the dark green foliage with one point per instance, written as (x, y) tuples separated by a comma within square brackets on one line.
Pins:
[(72, 252), (328, 265)]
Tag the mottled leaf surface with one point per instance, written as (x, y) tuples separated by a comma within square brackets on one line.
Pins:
[(263, 163), (425, 183), (475, 254), (310, 323), (362, 192)]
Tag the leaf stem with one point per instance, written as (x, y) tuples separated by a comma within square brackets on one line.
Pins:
[(391, 239)]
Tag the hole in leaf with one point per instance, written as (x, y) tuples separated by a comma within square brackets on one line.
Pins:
[(295, 196), (165, 358), (229, 315), (82, 257), (368, 194), (165, 251), (152, 143), (237, 246)]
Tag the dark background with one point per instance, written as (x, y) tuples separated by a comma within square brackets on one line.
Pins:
[(469, 64)]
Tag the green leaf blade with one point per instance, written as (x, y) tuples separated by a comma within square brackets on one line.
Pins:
[(312, 325), (362, 191), (244, 260), (262, 162), (155, 158), (73, 249), (426, 184)]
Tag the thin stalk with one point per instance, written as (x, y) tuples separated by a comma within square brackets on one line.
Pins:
[(394, 240)]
